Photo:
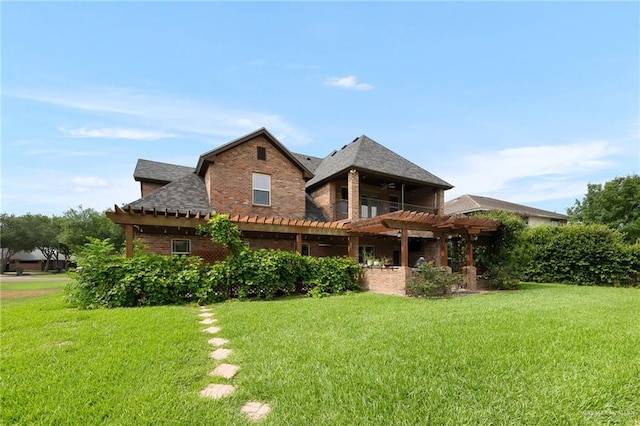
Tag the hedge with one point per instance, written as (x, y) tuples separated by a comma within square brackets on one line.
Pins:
[(105, 278)]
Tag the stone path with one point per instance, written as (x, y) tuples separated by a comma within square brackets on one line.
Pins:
[(228, 371), (254, 410)]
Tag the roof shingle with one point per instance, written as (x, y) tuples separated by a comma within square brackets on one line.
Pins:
[(367, 154)]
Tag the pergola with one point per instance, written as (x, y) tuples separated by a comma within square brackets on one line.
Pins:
[(401, 222), (440, 225)]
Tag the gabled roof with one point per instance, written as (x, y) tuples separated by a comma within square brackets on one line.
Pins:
[(187, 193), (368, 155), (211, 155), (473, 203), (155, 171)]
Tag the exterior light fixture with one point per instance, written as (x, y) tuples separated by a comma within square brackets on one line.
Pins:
[(399, 233)]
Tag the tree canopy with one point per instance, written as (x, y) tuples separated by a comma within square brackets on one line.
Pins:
[(78, 225), (615, 204)]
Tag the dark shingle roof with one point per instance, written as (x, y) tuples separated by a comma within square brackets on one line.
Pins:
[(186, 193), (156, 171), (472, 203), (366, 154), (308, 161)]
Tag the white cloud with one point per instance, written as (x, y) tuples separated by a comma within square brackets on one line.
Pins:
[(528, 174), (172, 114), (350, 82), (52, 192), (117, 133)]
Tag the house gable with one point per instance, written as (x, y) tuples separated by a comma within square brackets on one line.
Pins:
[(228, 177)]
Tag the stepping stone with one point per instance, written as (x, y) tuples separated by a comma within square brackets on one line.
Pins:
[(225, 370), (218, 341), (212, 330), (206, 315), (205, 309), (216, 391), (208, 321), (221, 353), (255, 410)]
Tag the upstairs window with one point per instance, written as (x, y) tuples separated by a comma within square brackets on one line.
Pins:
[(261, 189), (181, 247), (262, 153)]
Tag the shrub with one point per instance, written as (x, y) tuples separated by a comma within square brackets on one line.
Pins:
[(105, 278), (431, 281), (327, 275), (580, 254), (502, 259)]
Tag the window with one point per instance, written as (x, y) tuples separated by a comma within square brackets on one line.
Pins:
[(344, 200), (555, 222), (394, 203), (306, 250), (261, 189), (262, 153), (180, 247), (368, 207)]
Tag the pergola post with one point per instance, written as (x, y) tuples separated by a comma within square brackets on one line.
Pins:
[(442, 250), (299, 243), (469, 247), (404, 248), (353, 242), (128, 234)]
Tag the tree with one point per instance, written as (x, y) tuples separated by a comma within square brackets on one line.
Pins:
[(77, 226), (615, 204), (15, 237), (43, 231)]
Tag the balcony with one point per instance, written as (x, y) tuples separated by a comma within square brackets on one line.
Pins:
[(372, 207)]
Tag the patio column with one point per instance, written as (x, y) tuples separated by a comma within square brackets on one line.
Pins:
[(299, 243), (353, 187), (353, 246), (404, 248), (128, 235)]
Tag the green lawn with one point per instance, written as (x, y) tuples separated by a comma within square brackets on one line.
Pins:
[(548, 354)]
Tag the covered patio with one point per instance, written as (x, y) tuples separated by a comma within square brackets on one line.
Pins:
[(402, 223)]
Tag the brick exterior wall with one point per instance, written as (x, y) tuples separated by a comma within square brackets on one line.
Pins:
[(148, 187), (229, 182), (386, 280), (322, 197), (161, 243), (422, 197)]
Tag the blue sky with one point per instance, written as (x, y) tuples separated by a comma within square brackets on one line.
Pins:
[(523, 101)]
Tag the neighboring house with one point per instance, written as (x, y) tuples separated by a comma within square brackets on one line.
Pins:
[(34, 261), (467, 204), (362, 198)]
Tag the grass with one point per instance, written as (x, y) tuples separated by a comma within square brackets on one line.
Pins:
[(548, 354), (28, 286)]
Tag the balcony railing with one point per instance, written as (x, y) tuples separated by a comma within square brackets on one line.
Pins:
[(372, 207)]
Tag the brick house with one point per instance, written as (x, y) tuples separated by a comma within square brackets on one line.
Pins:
[(360, 199)]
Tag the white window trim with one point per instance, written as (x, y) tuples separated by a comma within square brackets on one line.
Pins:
[(254, 189), (181, 252)]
